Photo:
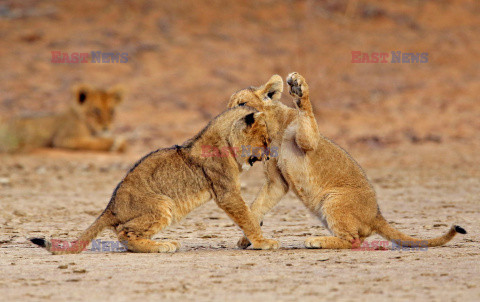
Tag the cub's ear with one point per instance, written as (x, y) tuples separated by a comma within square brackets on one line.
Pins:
[(272, 90), (251, 118), (117, 93), (81, 93)]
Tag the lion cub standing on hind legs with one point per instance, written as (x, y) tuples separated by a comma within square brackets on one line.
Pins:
[(324, 176), (167, 184), (85, 125)]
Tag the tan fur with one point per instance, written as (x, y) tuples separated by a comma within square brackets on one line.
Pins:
[(167, 184), (324, 176), (85, 125)]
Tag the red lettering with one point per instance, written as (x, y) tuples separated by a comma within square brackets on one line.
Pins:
[(384, 56), (225, 151), (365, 58), (356, 57), (65, 58), (74, 57), (56, 56), (83, 57), (206, 151)]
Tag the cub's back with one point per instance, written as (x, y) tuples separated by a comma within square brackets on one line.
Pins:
[(165, 172)]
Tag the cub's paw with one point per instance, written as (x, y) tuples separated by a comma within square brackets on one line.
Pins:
[(168, 247), (298, 87), (243, 243), (313, 243), (266, 244), (119, 144)]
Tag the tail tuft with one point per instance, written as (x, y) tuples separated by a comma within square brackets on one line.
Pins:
[(459, 229), (41, 241)]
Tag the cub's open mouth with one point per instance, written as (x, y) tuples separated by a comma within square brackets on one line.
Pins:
[(252, 159)]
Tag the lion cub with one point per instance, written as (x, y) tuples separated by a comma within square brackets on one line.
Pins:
[(85, 125), (330, 183), (167, 184)]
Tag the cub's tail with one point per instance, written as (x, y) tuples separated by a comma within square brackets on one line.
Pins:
[(61, 247), (384, 229)]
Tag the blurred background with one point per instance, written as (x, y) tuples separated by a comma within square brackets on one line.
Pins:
[(185, 58), (414, 127)]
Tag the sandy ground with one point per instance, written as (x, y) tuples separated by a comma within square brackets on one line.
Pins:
[(58, 194), (413, 127)]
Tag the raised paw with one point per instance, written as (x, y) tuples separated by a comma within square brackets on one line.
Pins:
[(313, 243), (298, 85), (266, 244), (243, 243)]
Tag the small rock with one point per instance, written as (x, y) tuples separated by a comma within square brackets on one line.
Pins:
[(72, 280), (79, 271), (19, 213)]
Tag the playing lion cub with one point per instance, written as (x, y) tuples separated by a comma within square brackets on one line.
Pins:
[(167, 184), (325, 177), (85, 125)]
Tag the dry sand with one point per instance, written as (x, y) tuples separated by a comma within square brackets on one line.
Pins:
[(413, 127), (58, 194)]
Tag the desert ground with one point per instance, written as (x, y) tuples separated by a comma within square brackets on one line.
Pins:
[(58, 194), (414, 128)]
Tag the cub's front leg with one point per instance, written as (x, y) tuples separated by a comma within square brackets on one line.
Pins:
[(229, 199), (307, 134), (92, 143), (274, 188)]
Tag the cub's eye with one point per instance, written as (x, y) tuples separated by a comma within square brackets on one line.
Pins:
[(242, 104)]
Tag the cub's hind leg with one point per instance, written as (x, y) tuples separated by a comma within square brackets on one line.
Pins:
[(136, 233), (338, 218), (345, 232)]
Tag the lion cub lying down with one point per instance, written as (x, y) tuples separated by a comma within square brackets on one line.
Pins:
[(85, 125), (167, 184)]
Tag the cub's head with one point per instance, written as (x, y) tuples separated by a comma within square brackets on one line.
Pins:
[(97, 106), (259, 97), (249, 135)]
